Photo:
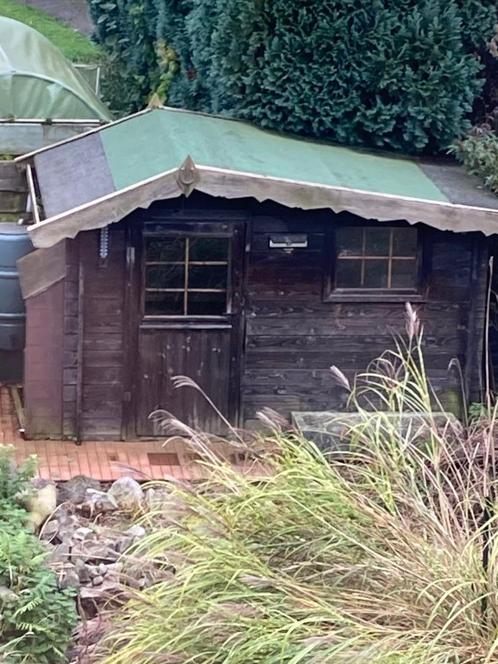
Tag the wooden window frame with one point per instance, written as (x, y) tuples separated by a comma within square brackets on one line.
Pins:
[(333, 294), (207, 231)]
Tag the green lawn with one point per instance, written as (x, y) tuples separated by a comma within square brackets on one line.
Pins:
[(75, 46)]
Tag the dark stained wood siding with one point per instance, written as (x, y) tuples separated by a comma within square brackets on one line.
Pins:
[(71, 329), (77, 367), (294, 336), (200, 354), (102, 364)]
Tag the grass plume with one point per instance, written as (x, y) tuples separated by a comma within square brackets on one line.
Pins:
[(384, 554)]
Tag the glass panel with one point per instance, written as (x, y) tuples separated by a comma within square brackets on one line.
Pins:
[(377, 241), (405, 242), (404, 274), (375, 274), (163, 304), (207, 276), (209, 249), (168, 249), (165, 276), (206, 304), (349, 241), (348, 274)]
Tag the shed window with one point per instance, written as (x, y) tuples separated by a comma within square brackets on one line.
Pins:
[(376, 258), (186, 276)]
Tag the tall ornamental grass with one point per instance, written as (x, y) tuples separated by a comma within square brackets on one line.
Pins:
[(384, 554)]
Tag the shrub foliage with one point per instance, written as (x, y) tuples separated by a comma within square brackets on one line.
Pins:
[(36, 618), (387, 555), (139, 63), (400, 74), (478, 151)]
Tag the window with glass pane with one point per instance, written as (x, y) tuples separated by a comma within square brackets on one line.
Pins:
[(383, 258), (186, 276)]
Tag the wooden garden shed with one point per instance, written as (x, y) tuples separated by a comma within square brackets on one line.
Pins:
[(176, 243)]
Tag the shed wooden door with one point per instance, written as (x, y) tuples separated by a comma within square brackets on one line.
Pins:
[(190, 323)]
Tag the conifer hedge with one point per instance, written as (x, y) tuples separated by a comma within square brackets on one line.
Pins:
[(400, 74)]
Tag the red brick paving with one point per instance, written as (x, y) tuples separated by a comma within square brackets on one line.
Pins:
[(106, 461)]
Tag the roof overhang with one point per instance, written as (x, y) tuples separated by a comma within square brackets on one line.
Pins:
[(230, 184), (94, 196)]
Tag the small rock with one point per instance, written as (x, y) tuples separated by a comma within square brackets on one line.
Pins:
[(137, 532), (69, 578), (93, 571), (59, 554), (115, 568), (99, 501), (102, 569), (41, 504), (156, 498), (7, 595), (74, 490), (96, 593), (97, 580), (68, 524), (49, 530), (97, 551), (123, 544), (127, 493), (82, 571), (81, 534)]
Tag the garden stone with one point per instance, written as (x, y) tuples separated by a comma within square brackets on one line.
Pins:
[(82, 533), (156, 499), (82, 571), (59, 553), (97, 580), (99, 502), (93, 571), (88, 551), (100, 552), (41, 504), (114, 568), (7, 595), (68, 524), (102, 592), (137, 532), (69, 578), (332, 431), (50, 530), (127, 493), (123, 544), (74, 490)]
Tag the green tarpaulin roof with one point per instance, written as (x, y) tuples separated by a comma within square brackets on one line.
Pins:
[(36, 80), (98, 178)]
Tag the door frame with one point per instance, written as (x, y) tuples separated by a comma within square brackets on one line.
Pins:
[(233, 225)]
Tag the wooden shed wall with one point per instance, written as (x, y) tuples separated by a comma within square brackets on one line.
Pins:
[(292, 335), (43, 363), (93, 376)]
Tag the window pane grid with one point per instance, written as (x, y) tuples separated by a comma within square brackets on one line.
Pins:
[(373, 258), (202, 265)]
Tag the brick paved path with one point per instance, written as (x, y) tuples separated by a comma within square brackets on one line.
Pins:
[(144, 460)]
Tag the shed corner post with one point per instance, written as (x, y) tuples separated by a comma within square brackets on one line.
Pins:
[(477, 318)]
